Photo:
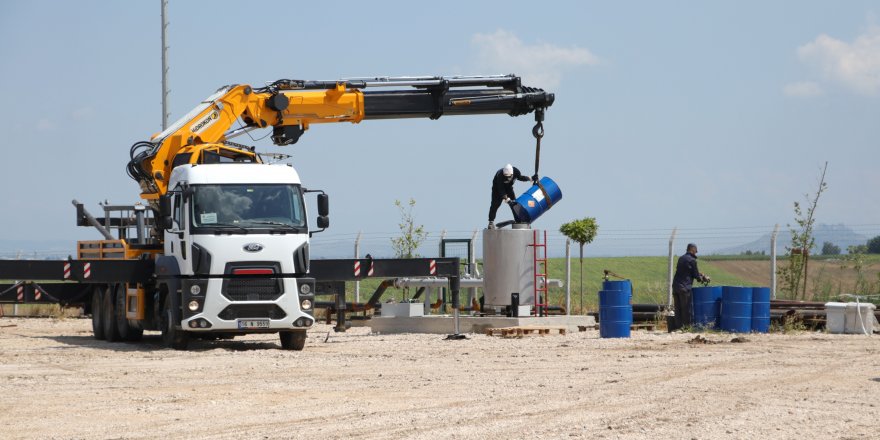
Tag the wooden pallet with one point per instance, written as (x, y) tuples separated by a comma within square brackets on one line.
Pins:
[(519, 332), (649, 326)]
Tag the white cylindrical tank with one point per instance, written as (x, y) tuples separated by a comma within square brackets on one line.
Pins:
[(509, 266)]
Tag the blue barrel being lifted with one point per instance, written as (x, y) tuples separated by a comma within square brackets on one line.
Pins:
[(615, 309), (536, 200), (736, 309), (707, 307), (761, 309)]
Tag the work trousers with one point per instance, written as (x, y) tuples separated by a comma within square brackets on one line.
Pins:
[(493, 208), (684, 309)]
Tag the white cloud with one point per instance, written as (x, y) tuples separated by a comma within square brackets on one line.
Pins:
[(855, 65), (802, 89), (45, 125), (82, 113), (540, 65)]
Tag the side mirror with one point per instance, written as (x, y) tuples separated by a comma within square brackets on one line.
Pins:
[(164, 220), (323, 205), (164, 206), (323, 221)]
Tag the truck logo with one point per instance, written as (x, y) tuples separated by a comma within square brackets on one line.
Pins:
[(205, 122), (253, 247)]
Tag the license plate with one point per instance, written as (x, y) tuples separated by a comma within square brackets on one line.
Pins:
[(245, 324)]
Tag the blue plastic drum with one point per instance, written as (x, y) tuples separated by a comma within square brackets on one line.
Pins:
[(707, 307), (615, 314), (621, 285), (535, 202), (761, 309), (736, 309)]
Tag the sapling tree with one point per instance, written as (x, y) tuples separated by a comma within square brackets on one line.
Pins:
[(583, 232)]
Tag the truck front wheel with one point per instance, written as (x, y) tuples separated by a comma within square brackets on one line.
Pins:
[(172, 336), (293, 340)]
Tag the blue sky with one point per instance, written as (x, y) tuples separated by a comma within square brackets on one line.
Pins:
[(709, 116)]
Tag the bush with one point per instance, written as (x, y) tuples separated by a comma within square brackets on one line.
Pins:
[(874, 245), (829, 248)]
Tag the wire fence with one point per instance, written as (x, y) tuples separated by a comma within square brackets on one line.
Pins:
[(609, 242)]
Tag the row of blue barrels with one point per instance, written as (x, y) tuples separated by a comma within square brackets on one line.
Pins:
[(615, 309), (732, 309)]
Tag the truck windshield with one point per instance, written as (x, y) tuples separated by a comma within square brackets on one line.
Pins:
[(248, 206)]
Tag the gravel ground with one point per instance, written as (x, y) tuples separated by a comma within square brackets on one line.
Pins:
[(56, 381)]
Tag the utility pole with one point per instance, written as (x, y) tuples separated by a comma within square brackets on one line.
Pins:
[(165, 90)]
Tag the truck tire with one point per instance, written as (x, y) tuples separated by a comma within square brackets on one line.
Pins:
[(108, 310), (172, 336), (293, 340), (127, 332), (97, 315)]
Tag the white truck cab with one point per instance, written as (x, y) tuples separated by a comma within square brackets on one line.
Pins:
[(239, 237)]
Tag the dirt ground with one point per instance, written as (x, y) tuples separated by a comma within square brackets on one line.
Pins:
[(58, 382)]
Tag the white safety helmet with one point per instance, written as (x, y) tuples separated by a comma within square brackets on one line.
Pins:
[(507, 170)]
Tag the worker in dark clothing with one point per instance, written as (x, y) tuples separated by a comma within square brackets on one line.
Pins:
[(682, 283), (502, 189)]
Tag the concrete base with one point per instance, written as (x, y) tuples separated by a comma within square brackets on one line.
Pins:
[(468, 324)]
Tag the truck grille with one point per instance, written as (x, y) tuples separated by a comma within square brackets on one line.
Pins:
[(252, 281), (251, 289), (241, 311)]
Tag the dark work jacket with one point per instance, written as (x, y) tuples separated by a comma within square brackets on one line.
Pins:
[(503, 185), (686, 272)]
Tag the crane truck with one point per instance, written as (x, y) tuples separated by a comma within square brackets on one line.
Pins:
[(220, 244)]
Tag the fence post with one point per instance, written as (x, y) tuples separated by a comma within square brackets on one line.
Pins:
[(567, 277), (773, 261), (357, 254), (671, 272)]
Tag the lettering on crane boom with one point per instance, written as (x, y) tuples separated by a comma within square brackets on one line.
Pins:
[(205, 122)]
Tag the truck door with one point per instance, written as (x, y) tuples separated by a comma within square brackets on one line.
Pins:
[(177, 238)]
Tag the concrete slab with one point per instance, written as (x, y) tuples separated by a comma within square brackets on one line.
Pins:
[(444, 324)]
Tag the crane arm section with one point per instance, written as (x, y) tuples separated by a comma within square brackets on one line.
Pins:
[(289, 107)]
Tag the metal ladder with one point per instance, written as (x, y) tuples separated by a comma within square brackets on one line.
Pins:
[(540, 273)]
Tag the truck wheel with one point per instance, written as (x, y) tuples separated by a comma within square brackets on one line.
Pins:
[(127, 332), (108, 310), (172, 336), (97, 315), (293, 340)]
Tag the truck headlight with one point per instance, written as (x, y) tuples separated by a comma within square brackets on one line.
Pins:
[(306, 304), (195, 289), (193, 305), (305, 289)]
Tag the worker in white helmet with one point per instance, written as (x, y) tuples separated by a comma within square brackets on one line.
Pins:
[(502, 189)]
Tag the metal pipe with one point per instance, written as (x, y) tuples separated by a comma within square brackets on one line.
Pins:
[(139, 211), (92, 220), (238, 132), (401, 283)]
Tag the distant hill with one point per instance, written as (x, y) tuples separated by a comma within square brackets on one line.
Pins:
[(36, 249), (839, 235)]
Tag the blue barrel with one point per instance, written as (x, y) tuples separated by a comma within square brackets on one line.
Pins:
[(736, 309), (534, 201), (761, 309), (707, 307), (615, 314), (621, 285)]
